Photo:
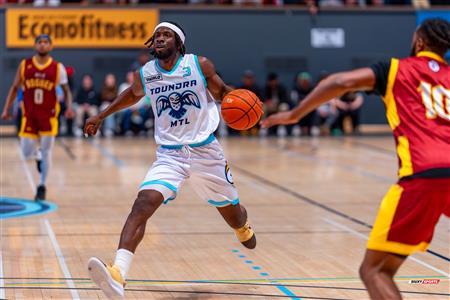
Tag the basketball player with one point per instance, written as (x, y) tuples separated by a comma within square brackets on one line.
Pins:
[(39, 76), (416, 93), (181, 88)]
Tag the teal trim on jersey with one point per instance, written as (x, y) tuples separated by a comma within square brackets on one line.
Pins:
[(142, 80), (224, 203), (160, 182), (148, 100), (173, 69), (200, 71), (209, 140)]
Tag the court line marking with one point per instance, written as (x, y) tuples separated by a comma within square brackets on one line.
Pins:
[(61, 260), (2, 281), (360, 235), (280, 287), (51, 234), (317, 203)]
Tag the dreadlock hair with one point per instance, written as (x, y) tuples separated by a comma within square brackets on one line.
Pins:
[(436, 34), (180, 46)]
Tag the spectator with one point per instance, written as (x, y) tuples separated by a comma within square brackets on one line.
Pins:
[(86, 101), (326, 113), (136, 118), (303, 86), (107, 95), (348, 106), (248, 81), (275, 99)]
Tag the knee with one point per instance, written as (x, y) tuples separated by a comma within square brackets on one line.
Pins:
[(28, 153), (366, 272), (145, 204)]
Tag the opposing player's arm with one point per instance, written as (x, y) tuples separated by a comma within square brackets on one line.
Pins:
[(331, 87), (216, 86), (12, 94), (127, 98)]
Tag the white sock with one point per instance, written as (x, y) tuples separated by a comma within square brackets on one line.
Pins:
[(123, 261)]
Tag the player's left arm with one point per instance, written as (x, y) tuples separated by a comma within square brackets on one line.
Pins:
[(216, 86), (64, 82), (69, 114), (331, 87)]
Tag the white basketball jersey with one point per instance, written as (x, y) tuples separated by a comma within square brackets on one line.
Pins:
[(184, 110)]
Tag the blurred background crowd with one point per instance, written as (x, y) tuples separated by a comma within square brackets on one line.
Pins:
[(339, 116)]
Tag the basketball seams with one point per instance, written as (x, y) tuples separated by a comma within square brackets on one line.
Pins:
[(251, 107), (245, 100), (238, 108)]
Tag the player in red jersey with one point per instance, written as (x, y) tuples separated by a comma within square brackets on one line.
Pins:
[(416, 93), (39, 76)]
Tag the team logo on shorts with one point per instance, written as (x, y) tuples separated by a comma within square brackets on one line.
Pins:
[(176, 103), (228, 175)]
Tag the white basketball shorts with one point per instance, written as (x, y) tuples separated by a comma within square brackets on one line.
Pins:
[(203, 164)]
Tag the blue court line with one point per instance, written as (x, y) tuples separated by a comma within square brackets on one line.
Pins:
[(317, 203), (281, 288), (106, 153)]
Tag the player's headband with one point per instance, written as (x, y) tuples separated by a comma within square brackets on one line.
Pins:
[(174, 27), (42, 36)]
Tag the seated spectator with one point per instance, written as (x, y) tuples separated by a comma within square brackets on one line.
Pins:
[(275, 100), (248, 82), (86, 102), (348, 106), (326, 114), (135, 119), (107, 96), (303, 86)]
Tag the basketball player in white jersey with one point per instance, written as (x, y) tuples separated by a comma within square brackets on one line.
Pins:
[(181, 88)]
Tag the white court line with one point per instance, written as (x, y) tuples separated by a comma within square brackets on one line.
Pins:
[(62, 262), (51, 235), (345, 228), (2, 282)]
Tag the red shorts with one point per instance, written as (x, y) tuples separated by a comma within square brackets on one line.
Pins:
[(408, 214), (35, 126)]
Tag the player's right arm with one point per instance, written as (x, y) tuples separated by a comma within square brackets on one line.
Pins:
[(12, 94), (127, 98), (331, 87)]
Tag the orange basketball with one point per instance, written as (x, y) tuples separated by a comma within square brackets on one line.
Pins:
[(241, 109)]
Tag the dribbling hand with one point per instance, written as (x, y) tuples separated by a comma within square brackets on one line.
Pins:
[(281, 118), (92, 125)]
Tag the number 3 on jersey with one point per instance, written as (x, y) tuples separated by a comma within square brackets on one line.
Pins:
[(38, 96), (436, 100)]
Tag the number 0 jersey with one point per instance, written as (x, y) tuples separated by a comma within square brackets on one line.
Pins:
[(39, 87), (416, 93)]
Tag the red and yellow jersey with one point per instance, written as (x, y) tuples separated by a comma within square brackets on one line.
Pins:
[(417, 100), (39, 88)]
